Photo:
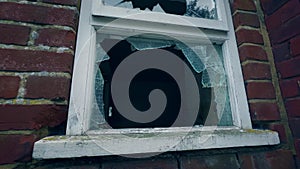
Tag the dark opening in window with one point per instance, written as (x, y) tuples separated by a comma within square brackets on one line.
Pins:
[(194, 8), (143, 83)]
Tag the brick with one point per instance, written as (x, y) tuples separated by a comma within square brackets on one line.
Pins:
[(249, 52), (295, 127), (295, 46), (264, 112), (268, 160), (283, 14), (38, 14), (245, 19), (254, 71), (280, 159), (246, 161), (18, 117), (14, 34), (15, 148), (260, 90), (66, 165), (290, 87), (247, 5), (253, 161), (281, 52), (9, 86), (270, 6), (293, 107), (289, 68), (30, 60), (55, 88), (56, 37), (69, 163), (297, 146), (297, 159), (285, 31), (249, 36), (168, 163), (62, 2), (281, 131), (211, 162)]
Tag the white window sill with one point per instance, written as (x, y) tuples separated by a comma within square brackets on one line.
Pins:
[(136, 141)]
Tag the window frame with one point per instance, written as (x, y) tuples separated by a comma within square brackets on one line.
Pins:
[(78, 133), (80, 107)]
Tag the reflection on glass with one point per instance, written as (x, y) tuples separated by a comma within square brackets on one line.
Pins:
[(194, 8)]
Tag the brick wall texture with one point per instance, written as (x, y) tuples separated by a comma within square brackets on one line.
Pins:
[(282, 20), (37, 43)]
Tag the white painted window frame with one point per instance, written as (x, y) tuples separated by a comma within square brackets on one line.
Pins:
[(92, 16)]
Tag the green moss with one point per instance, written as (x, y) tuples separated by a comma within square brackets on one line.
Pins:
[(55, 138), (256, 131), (13, 132), (9, 166), (43, 132)]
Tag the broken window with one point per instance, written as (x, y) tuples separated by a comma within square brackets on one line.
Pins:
[(194, 8), (172, 58), (205, 63)]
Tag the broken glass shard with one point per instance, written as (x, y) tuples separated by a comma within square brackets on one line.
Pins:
[(193, 8)]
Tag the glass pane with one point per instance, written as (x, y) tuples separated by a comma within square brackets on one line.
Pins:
[(204, 61), (194, 8)]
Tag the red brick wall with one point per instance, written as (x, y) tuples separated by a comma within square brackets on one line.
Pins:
[(283, 23), (37, 41), (260, 74)]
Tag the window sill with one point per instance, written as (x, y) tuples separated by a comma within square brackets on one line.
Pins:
[(136, 141)]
